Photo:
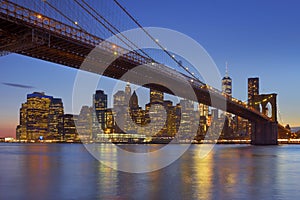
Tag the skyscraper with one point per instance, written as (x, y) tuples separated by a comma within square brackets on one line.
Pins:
[(227, 83), (120, 111), (110, 121), (156, 96), (127, 93), (84, 123), (203, 109), (203, 113), (133, 102), (227, 89), (119, 99), (100, 106), (253, 89), (41, 116), (70, 131), (189, 120), (56, 114)]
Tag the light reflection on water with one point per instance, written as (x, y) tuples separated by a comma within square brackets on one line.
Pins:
[(68, 171)]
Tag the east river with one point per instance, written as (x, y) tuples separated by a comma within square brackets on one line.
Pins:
[(68, 171)]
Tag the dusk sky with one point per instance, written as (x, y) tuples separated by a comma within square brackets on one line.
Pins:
[(257, 38)]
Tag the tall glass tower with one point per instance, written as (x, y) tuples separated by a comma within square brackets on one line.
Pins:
[(100, 106), (227, 83), (253, 89)]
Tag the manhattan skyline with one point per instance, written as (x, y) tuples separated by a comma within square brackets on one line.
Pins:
[(257, 39)]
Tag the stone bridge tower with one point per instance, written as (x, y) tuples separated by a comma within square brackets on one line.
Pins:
[(265, 132)]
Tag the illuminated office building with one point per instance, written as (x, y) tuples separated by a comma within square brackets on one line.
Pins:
[(253, 89), (156, 116), (156, 96), (110, 121), (100, 106), (188, 120), (203, 123), (119, 111), (203, 109), (127, 93), (41, 117), (227, 83), (227, 89), (56, 114), (137, 114), (84, 123), (70, 131), (171, 123)]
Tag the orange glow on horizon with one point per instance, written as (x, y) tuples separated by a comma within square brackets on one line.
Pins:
[(8, 131)]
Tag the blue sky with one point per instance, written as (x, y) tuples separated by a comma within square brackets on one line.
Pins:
[(257, 38)]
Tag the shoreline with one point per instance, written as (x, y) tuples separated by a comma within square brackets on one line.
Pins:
[(156, 142)]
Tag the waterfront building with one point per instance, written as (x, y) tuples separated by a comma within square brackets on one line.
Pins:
[(253, 89), (171, 127), (100, 106), (41, 117), (109, 121), (188, 120), (84, 123), (70, 131), (203, 110), (203, 122), (56, 114), (120, 115), (156, 118)]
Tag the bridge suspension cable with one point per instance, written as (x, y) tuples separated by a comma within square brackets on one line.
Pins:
[(65, 16), (112, 27), (156, 41), (279, 114), (74, 22)]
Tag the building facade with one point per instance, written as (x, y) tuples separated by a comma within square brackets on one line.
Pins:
[(253, 89), (41, 117), (227, 83), (100, 106)]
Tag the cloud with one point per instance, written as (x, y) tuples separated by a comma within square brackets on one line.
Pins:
[(18, 85)]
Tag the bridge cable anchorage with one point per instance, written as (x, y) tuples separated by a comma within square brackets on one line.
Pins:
[(156, 41), (113, 27)]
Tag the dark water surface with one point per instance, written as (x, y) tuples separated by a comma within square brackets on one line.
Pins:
[(68, 171)]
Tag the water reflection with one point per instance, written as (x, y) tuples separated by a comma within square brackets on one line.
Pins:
[(60, 171)]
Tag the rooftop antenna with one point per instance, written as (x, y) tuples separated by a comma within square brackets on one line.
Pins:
[(226, 69)]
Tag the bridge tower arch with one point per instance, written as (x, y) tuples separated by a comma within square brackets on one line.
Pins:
[(265, 132)]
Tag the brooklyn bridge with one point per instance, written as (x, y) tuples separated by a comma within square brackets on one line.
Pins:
[(53, 31)]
